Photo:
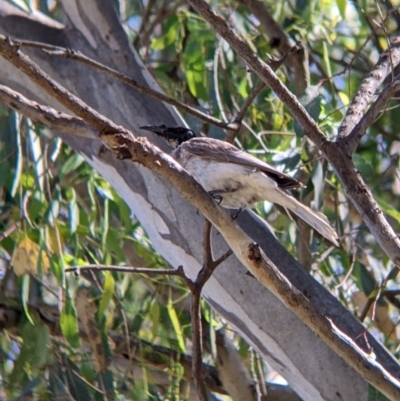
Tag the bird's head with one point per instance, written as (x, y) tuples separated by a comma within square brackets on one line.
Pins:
[(174, 135)]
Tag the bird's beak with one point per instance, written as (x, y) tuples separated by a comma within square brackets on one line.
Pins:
[(157, 129)]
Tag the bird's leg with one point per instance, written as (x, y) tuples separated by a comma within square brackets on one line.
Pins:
[(236, 214), (216, 195)]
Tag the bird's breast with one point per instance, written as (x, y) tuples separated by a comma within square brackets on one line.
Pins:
[(234, 181)]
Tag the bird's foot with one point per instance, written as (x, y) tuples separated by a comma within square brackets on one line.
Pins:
[(216, 195), (236, 214)]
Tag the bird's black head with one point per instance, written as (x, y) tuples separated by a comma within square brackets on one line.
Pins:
[(174, 135)]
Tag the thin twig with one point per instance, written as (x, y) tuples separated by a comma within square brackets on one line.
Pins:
[(355, 186), (274, 64), (207, 257), (380, 292), (197, 363), (209, 265), (122, 269), (365, 310), (126, 146), (76, 55), (144, 21), (222, 258), (247, 103), (215, 78), (350, 270)]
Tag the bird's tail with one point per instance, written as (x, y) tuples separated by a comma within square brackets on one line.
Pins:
[(316, 220)]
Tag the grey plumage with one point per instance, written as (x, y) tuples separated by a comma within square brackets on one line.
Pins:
[(235, 178)]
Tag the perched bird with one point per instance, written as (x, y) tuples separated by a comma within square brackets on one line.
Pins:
[(236, 179)]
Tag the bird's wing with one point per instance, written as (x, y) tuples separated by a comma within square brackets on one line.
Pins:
[(209, 148)]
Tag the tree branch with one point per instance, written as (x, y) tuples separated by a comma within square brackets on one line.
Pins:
[(262, 69), (282, 42), (366, 91), (337, 156), (126, 146), (352, 140), (209, 265), (122, 269), (45, 115), (74, 55)]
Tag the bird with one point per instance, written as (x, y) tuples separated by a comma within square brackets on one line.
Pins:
[(234, 178)]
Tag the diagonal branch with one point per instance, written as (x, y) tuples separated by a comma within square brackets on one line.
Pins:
[(68, 53), (126, 146), (354, 185), (351, 141), (297, 60), (45, 115), (262, 69), (366, 91)]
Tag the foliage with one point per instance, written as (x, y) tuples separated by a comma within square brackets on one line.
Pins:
[(56, 212)]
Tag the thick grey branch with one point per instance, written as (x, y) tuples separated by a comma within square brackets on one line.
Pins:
[(237, 296), (351, 141), (126, 146), (45, 115), (366, 91)]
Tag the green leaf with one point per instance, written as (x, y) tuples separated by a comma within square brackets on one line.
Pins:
[(26, 392), (194, 63), (71, 164), (93, 207), (170, 36), (124, 213), (291, 163), (155, 318), (36, 341), (365, 280), (78, 388), (342, 4), (105, 224), (243, 88), (34, 350), (108, 292), (326, 59), (196, 81), (108, 380), (73, 213), (104, 189), (27, 180), (37, 205), (25, 295), (56, 269), (18, 156), (176, 325), (36, 151), (56, 385), (69, 323)]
